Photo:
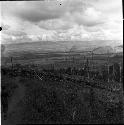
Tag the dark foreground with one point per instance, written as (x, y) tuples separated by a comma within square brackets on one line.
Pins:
[(54, 100)]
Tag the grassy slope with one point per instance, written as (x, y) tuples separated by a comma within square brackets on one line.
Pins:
[(54, 102)]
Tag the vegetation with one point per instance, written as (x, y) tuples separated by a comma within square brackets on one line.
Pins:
[(64, 95)]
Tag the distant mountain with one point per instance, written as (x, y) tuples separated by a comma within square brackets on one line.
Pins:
[(62, 46), (118, 49), (103, 50)]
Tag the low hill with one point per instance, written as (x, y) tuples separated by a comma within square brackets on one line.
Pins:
[(100, 47)]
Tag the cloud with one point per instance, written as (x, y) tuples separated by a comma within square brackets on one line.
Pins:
[(89, 17), (36, 11), (5, 27), (10, 36), (56, 24), (72, 20), (82, 12), (15, 33)]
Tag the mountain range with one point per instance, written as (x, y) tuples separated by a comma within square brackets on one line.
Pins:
[(99, 47)]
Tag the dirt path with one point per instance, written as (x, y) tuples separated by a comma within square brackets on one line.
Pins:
[(17, 96)]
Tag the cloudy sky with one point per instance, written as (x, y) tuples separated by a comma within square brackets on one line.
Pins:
[(58, 20)]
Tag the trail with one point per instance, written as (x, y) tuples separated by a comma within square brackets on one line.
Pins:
[(17, 96), (15, 99)]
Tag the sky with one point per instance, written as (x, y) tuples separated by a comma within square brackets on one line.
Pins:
[(61, 20)]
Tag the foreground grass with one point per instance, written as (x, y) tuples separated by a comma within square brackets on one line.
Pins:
[(48, 102)]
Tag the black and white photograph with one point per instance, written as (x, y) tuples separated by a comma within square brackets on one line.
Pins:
[(61, 62)]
